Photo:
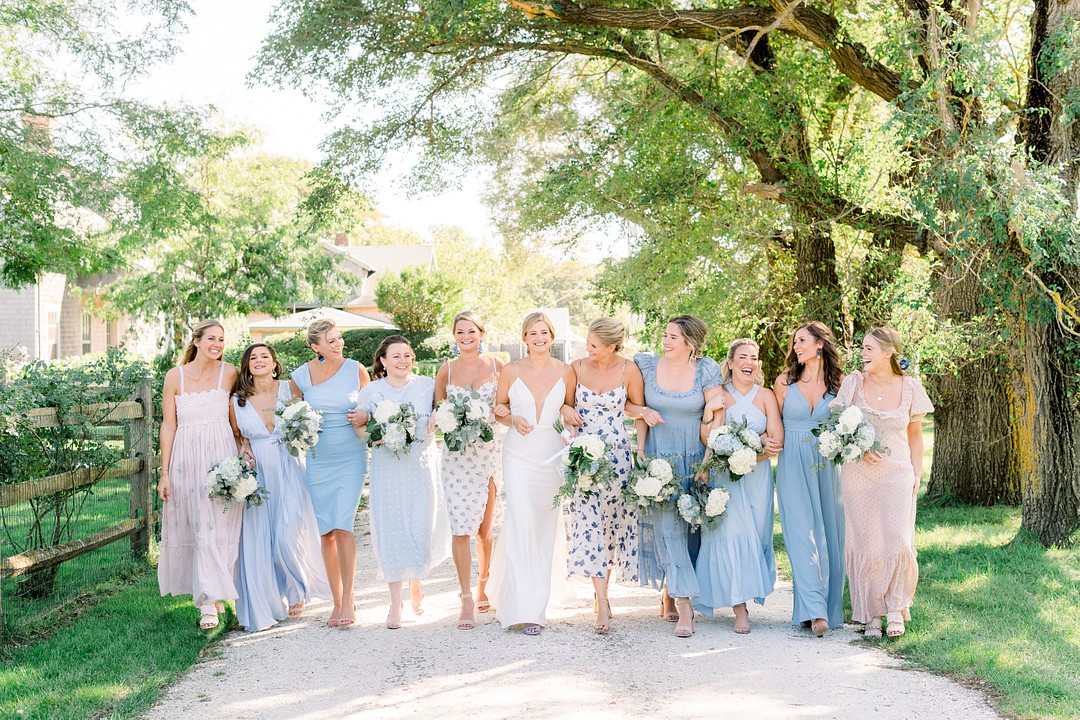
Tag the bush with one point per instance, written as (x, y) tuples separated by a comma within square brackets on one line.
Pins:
[(360, 345)]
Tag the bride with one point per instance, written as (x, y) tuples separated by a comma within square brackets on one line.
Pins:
[(531, 393)]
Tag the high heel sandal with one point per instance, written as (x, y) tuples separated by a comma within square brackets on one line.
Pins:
[(742, 625), (894, 625), (819, 627), (394, 624), (345, 622), (873, 628), (482, 606), (681, 630), (465, 624), (208, 617), (295, 610), (605, 627), (417, 605), (667, 615)]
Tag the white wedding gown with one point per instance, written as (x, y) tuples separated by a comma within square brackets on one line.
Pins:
[(529, 563)]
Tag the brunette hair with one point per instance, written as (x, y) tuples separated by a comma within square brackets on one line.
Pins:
[(889, 340), (725, 371), (244, 387), (609, 331), (470, 316), (196, 334), (379, 368), (830, 358), (694, 332)]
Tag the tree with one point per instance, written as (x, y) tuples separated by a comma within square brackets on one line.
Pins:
[(236, 243), (871, 132), (418, 300)]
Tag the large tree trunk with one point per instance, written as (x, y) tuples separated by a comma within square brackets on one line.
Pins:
[(816, 281)]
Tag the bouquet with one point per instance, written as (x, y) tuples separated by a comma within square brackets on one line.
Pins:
[(233, 481), (586, 467), (651, 484), (393, 425), (300, 427), (701, 505), (463, 419), (846, 435), (735, 448)]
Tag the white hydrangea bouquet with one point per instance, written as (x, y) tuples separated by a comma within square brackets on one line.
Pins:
[(701, 505), (651, 484), (735, 448), (233, 481), (586, 467), (846, 435), (393, 426), (463, 419), (300, 426)]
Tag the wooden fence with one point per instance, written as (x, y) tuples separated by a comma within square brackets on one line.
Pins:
[(137, 468)]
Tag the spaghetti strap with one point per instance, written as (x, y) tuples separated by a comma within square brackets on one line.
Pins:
[(221, 374), (181, 369), (494, 368), (449, 382)]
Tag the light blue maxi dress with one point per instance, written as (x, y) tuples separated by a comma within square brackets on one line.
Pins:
[(336, 470), (811, 514), (280, 558), (736, 561), (410, 527), (666, 546)]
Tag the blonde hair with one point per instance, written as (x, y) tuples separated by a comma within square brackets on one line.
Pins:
[(533, 318), (725, 371), (608, 331), (889, 340), (317, 328), (196, 334), (468, 316), (694, 332)]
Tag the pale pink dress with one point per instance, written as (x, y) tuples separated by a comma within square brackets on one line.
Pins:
[(200, 539), (879, 507)]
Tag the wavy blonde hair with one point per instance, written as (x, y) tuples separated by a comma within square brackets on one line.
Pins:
[(196, 334), (725, 370)]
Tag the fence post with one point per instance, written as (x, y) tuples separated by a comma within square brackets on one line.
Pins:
[(142, 498)]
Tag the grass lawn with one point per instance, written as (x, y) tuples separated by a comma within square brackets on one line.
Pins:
[(111, 654)]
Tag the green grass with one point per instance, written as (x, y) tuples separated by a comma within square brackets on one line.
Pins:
[(110, 654)]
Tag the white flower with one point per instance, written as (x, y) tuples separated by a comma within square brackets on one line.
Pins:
[(477, 410), (295, 409), (828, 443), (394, 437), (750, 438), (717, 502), (584, 482), (849, 420), (660, 469), (385, 410), (865, 435), (688, 508), (245, 486), (724, 444), (593, 445), (230, 469), (850, 453), (649, 486), (742, 461), (445, 418)]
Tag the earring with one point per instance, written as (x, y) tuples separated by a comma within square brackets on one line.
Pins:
[(480, 347), (275, 374), (321, 358), (455, 352), (819, 352), (904, 364)]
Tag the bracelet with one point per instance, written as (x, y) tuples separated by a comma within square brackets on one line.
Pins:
[(706, 422)]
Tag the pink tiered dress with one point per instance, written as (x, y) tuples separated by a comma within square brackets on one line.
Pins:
[(200, 538)]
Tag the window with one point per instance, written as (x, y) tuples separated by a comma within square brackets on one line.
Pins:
[(87, 333), (110, 334)]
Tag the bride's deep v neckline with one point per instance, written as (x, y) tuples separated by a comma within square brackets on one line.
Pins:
[(538, 409)]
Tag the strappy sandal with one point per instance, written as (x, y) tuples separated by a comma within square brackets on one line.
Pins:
[(482, 606), (394, 624), (894, 627), (742, 625), (819, 627), (208, 617), (873, 628), (295, 610), (465, 624), (532, 630), (417, 605), (605, 627), (685, 631), (667, 615)]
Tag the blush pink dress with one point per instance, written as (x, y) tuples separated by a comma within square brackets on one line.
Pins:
[(200, 538), (879, 507)]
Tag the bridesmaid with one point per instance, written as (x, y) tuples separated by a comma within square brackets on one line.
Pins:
[(280, 564), (880, 489), (604, 529), (531, 394), (808, 487), (409, 527), (736, 561), (678, 384), (335, 473), (469, 476), (199, 537)]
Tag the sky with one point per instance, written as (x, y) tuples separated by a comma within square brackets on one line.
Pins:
[(217, 54)]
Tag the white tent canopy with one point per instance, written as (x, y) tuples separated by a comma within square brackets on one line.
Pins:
[(298, 321)]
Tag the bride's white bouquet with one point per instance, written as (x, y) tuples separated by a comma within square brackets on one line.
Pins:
[(463, 419), (846, 435), (702, 505), (734, 447), (393, 426), (233, 481), (586, 467), (651, 484), (300, 426)]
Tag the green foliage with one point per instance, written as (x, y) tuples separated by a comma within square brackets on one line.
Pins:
[(419, 300), (360, 345)]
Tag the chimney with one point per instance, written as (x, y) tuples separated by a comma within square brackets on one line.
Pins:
[(341, 239), (38, 129)]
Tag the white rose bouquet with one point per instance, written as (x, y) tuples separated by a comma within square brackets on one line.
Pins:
[(393, 426), (586, 467), (651, 484), (232, 481), (463, 419), (734, 447), (300, 426), (701, 505), (846, 435)]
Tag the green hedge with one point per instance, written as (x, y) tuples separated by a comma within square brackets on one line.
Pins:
[(360, 345)]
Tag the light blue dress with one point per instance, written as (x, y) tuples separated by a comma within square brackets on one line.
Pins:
[(736, 561), (410, 528), (666, 546), (280, 558), (811, 514), (336, 469)]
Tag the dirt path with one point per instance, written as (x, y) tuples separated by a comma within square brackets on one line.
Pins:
[(429, 669)]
